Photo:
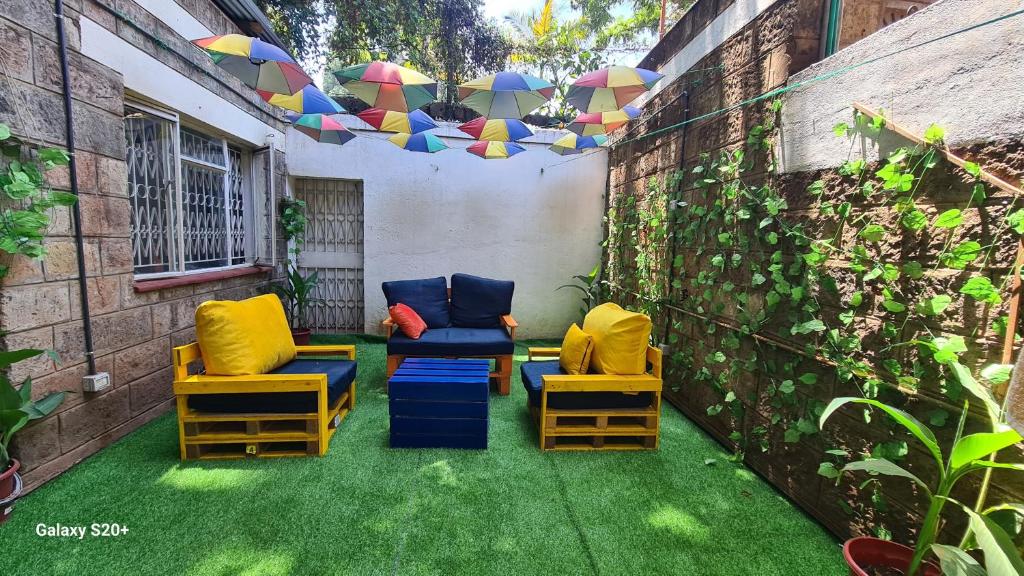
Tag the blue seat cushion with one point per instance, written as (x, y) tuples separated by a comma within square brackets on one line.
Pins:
[(340, 375), (480, 302), (533, 381), (428, 297), (453, 342)]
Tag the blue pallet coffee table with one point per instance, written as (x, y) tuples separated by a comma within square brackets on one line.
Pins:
[(439, 403)]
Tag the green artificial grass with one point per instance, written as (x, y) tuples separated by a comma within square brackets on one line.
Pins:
[(367, 509)]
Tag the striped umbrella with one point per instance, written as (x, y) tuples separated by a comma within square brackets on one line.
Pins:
[(491, 150), (505, 94), (498, 130), (256, 63), (391, 121), (322, 128), (591, 124), (387, 85), (422, 142), (609, 89), (309, 100), (574, 143)]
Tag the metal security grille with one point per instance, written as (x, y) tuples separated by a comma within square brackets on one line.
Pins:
[(191, 197), (334, 249), (149, 143)]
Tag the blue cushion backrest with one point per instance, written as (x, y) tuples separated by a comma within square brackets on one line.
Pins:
[(480, 302), (428, 297)]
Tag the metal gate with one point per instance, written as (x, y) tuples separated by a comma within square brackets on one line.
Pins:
[(334, 249)]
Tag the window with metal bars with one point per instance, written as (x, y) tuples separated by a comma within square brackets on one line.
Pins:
[(191, 196)]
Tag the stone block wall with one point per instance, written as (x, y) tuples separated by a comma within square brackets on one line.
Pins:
[(762, 56), (133, 330)]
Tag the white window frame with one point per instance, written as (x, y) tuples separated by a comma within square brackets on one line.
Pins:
[(248, 173)]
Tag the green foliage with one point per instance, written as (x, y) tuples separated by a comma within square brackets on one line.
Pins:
[(27, 201), (297, 294), (292, 218), (16, 405), (590, 288)]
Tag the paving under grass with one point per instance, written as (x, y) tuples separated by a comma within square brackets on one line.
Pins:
[(367, 509)]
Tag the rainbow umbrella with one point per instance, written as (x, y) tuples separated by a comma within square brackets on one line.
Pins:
[(422, 142), (505, 94), (390, 121), (497, 130), (256, 63), (491, 150), (322, 128), (609, 89), (309, 100), (574, 143), (387, 85), (599, 123)]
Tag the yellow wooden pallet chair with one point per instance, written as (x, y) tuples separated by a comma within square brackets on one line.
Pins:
[(612, 401), (258, 394)]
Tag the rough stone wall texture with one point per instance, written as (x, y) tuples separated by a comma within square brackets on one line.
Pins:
[(39, 300), (761, 57), (861, 18)]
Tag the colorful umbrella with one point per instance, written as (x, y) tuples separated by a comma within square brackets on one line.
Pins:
[(591, 124), (491, 150), (505, 94), (574, 144), (609, 89), (422, 142), (322, 128), (256, 63), (391, 121), (309, 100), (387, 85), (498, 130)]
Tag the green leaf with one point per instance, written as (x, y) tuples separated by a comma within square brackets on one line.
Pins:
[(808, 327), (791, 436), (1001, 557), (787, 387), (5, 131), (54, 156), (62, 198), (947, 350), (961, 255), (757, 279), (885, 467), (955, 562), (828, 470), (44, 406), (972, 168), (948, 219), (872, 233), (914, 219), (913, 270), (934, 306), (714, 410), (938, 417), (809, 378), (1015, 220), (997, 374), (934, 133), (840, 129), (977, 446), (980, 288), (963, 375), (856, 299), (912, 425)]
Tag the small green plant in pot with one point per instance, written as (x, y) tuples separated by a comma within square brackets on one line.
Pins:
[(16, 410), (297, 292), (968, 455)]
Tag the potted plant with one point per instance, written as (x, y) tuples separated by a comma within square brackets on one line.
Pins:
[(296, 293), (16, 410), (969, 454)]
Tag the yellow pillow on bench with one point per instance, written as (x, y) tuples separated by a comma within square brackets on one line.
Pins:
[(574, 357), (620, 340), (244, 337)]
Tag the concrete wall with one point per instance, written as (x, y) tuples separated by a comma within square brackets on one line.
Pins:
[(978, 95), (113, 55), (527, 218)]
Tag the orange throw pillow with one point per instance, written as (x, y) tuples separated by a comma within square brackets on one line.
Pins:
[(409, 322)]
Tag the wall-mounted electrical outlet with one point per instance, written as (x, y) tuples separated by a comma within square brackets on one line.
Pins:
[(96, 382)]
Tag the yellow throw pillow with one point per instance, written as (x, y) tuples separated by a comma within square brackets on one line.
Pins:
[(576, 348), (620, 340), (244, 337)]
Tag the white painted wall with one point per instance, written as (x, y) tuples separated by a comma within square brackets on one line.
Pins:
[(724, 26), (147, 76), (533, 218), (971, 84)]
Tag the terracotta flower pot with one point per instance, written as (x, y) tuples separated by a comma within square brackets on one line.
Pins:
[(868, 556), (301, 336), (10, 487)]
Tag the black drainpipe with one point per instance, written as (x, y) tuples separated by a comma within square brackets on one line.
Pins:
[(83, 289), (682, 164)]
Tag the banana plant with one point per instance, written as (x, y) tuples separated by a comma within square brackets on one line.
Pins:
[(16, 406), (969, 454), (589, 287)]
